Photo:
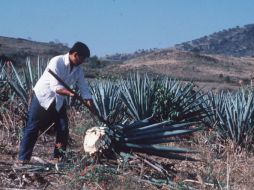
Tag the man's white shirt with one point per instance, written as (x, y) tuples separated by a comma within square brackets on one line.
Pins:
[(45, 88)]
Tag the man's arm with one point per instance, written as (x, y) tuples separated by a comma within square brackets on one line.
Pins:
[(65, 92), (55, 67)]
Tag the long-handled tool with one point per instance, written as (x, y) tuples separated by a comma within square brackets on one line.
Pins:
[(77, 96)]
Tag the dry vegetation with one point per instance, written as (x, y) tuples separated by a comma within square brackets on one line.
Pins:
[(219, 165)]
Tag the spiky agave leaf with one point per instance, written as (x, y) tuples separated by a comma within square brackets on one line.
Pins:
[(164, 99), (159, 150), (213, 103), (4, 88), (106, 98), (159, 134), (22, 82), (157, 127), (137, 94), (17, 85)]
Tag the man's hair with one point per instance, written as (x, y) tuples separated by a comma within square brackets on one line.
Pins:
[(81, 49)]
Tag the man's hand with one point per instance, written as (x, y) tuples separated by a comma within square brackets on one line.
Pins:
[(89, 104)]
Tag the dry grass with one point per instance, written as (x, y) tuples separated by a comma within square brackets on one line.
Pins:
[(220, 167)]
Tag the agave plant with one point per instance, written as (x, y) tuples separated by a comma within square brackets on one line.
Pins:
[(178, 101), (233, 117), (165, 99), (213, 103), (23, 80), (237, 119), (106, 98), (4, 89), (137, 94), (140, 137)]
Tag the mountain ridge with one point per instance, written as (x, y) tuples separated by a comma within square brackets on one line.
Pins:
[(237, 41), (18, 48)]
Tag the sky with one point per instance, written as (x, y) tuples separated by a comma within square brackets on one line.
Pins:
[(121, 26)]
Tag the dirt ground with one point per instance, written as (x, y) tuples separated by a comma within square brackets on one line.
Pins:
[(219, 166)]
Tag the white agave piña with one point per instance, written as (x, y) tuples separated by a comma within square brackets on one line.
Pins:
[(97, 140)]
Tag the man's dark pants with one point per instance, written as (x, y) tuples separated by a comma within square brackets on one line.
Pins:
[(39, 119)]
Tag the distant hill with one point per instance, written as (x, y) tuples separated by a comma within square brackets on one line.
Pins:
[(238, 41), (223, 60), (206, 70), (127, 56), (18, 49)]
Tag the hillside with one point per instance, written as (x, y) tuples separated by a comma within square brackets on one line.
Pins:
[(208, 71), (18, 49), (238, 41)]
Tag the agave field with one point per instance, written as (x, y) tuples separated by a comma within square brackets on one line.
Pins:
[(158, 133)]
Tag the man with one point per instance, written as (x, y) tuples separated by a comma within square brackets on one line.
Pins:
[(49, 100)]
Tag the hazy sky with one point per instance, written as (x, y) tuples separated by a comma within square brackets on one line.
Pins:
[(121, 26)]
